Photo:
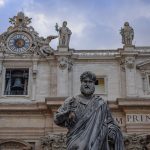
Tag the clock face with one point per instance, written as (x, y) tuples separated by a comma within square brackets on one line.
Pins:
[(19, 42)]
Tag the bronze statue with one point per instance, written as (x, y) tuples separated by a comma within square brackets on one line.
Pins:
[(88, 119)]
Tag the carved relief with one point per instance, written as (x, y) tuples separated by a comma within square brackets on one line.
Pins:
[(54, 142), (137, 142), (43, 44), (14, 145), (130, 62), (20, 20), (132, 142), (65, 62)]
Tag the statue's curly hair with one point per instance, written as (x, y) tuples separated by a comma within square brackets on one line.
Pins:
[(88, 74)]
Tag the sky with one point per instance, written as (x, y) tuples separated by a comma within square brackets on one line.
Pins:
[(95, 24)]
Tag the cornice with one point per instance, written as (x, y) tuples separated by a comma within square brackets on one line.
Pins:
[(115, 105), (39, 106), (133, 102)]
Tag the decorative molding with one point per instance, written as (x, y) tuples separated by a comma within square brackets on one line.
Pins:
[(15, 144), (145, 65)]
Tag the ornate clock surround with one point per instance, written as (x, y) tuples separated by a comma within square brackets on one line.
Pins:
[(21, 39), (19, 42)]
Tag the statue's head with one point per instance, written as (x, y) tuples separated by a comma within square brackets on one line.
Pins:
[(64, 23), (87, 79), (126, 24)]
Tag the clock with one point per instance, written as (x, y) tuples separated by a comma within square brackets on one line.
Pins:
[(19, 42)]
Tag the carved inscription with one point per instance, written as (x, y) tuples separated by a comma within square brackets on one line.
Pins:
[(133, 118), (138, 118), (119, 120)]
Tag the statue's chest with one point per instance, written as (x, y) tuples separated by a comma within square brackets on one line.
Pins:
[(80, 109), (64, 30)]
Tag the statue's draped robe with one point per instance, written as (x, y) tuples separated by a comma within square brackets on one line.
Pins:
[(94, 128)]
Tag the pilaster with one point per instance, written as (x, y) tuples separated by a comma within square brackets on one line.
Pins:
[(63, 67), (129, 55)]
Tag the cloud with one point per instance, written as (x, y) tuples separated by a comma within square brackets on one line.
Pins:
[(2, 3), (94, 24), (43, 25), (46, 26), (44, 21)]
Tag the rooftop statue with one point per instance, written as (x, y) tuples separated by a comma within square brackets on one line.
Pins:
[(88, 120), (44, 44), (127, 34), (64, 34)]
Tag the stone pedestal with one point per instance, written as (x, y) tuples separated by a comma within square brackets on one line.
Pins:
[(129, 48), (63, 48)]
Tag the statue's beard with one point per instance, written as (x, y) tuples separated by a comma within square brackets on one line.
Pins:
[(87, 91)]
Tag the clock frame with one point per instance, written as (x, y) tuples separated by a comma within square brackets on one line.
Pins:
[(19, 42)]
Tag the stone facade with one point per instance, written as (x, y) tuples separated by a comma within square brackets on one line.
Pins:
[(54, 75)]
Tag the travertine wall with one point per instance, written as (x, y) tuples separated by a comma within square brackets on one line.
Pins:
[(28, 118), (110, 70), (43, 81)]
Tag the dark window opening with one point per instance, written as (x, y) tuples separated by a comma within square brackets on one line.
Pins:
[(100, 85), (16, 81)]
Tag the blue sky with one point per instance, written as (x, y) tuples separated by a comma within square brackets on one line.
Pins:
[(95, 24)]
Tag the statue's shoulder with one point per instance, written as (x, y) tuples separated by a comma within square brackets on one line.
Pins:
[(70, 99), (101, 100)]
